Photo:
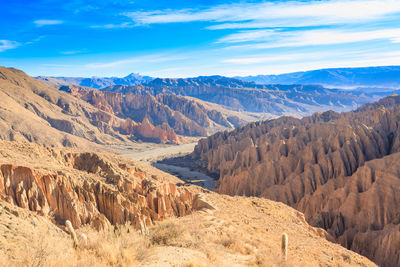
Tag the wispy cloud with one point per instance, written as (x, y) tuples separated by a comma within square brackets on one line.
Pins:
[(46, 22), (74, 52), (262, 39), (35, 40), (113, 26), (274, 14), (267, 58), (7, 45), (321, 61), (306, 56)]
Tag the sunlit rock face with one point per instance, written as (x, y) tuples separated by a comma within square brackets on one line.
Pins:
[(87, 188), (339, 169), (183, 115)]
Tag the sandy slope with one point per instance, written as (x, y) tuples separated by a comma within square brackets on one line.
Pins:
[(219, 230)]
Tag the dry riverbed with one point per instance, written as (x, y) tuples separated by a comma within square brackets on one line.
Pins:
[(152, 153)]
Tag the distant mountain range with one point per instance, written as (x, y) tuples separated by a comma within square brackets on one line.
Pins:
[(294, 99), (381, 77), (388, 76), (97, 82), (297, 94)]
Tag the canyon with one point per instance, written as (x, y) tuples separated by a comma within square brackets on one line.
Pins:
[(338, 168), (295, 94), (185, 116), (337, 171), (111, 200), (35, 112)]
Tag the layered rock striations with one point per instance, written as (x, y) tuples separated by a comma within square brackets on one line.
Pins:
[(87, 188), (276, 99), (32, 111), (339, 169), (185, 116)]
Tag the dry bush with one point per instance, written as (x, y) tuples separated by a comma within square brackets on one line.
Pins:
[(232, 244), (44, 249), (167, 233), (121, 246)]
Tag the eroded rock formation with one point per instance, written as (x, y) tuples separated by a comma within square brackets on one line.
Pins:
[(32, 111), (339, 169), (274, 99), (185, 116), (87, 188)]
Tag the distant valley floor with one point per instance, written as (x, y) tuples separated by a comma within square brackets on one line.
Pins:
[(153, 153)]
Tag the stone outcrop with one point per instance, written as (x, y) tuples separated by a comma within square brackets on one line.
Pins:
[(89, 189), (339, 169), (144, 131), (185, 116), (32, 111)]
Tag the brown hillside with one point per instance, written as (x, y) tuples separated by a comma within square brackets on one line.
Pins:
[(95, 190), (32, 111), (186, 116), (337, 168)]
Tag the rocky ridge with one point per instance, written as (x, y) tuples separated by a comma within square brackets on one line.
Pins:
[(32, 111), (97, 82), (185, 116), (87, 188), (93, 190), (275, 99), (339, 169), (385, 76)]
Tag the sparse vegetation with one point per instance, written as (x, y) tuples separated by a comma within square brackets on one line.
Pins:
[(165, 233)]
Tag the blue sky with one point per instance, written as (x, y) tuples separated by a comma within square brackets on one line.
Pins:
[(191, 38)]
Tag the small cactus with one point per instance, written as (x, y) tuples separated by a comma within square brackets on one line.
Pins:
[(71, 230), (284, 246)]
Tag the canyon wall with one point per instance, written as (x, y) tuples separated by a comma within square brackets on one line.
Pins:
[(339, 169), (185, 116), (88, 188), (32, 111)]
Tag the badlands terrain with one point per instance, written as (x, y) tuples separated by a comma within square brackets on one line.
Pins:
[(109, 198), (340, 169), (328, 181)]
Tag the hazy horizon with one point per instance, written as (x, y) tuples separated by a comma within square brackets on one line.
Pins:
[(232, 76)]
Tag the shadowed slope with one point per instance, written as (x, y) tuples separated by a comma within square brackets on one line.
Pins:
[(32, 111), (325, 165)]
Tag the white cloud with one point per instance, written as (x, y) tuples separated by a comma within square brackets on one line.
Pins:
[(274, 14), (7, 45), (263, 39), (73, 52), (45, 22), (373, 59), (263, 59), (113, 26)]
